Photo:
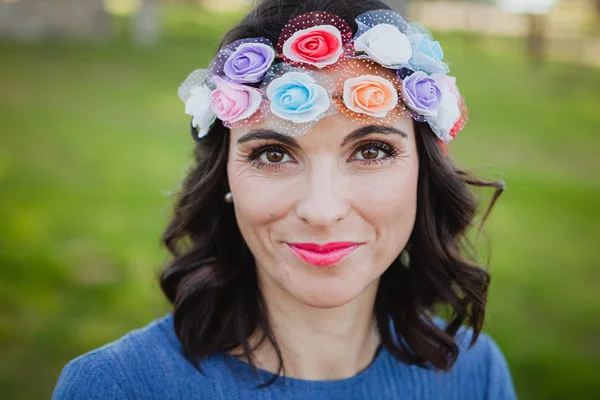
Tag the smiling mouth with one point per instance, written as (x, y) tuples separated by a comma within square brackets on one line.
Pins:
[(323, 255)]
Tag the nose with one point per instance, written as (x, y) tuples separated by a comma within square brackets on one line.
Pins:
[(323, 201)]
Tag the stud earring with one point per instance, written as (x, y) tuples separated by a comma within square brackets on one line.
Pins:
[(228, 197), (405, 259)]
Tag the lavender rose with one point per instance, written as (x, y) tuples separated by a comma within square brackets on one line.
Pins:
[(421, 94), (249, 62)]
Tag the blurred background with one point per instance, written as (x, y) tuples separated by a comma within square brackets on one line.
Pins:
[(94, 141)]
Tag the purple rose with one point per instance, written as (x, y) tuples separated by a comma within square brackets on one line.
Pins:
[(249, 62), (421, 94)]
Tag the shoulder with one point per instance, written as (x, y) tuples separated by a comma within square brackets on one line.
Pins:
[(482, 366), (87, 378), (479, 373), (145, 363)]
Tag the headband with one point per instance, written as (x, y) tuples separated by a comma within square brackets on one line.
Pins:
[(388, 70)]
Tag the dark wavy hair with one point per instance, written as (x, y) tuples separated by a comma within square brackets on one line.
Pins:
[(211, 280)]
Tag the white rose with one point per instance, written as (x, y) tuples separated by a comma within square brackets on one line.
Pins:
[(198, 105), (385, 44), (448, 115)]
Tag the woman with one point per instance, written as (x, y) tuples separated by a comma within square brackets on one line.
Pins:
[(322, 226)]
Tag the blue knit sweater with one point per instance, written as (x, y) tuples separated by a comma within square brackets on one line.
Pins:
[(148, 364)]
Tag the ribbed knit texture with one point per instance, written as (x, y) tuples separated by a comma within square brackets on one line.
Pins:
[(148, 364)]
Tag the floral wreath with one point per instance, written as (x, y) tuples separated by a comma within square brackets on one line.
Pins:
[(389, 69)]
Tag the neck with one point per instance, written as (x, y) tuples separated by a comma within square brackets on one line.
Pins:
[(320, 344)]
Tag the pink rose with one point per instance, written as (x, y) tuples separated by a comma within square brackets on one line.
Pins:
[(443, 80), (448, 115), (232, 102), (320, 46)]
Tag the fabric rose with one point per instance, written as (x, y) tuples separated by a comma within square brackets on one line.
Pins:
[(249, 62), (448, 115), (233, 102), (297, 97), (421, 94), (444, 80), (427, 55), (385, 44), (320, 46), (198, 105), (370, 94)]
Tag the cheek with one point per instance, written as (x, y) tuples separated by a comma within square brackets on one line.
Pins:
[(394, 195), (258, 201), (388, 203)]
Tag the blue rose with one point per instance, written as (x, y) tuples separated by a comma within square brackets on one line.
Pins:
[(427, 55), (296, 97)]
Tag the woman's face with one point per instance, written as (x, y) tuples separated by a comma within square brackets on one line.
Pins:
[(349, 186)]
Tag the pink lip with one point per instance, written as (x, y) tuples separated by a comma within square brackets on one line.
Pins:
[(325, 255)]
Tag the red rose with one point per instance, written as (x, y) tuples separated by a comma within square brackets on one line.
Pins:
[(320, 46)]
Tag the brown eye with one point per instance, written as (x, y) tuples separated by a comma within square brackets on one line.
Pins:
[(274, 156), (375, 151), (369, 153)]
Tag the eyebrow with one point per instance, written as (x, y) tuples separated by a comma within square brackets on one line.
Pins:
[(290, 141), (369, 129), (269, 134)]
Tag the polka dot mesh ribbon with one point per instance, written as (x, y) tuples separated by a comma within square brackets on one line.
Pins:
[(311, 37), (356, 68), (296, 99), (388, 70)]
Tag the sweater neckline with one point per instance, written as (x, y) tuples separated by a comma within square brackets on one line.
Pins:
[(226, 366), (245, 369)]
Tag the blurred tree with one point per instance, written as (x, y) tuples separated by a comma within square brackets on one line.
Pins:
[(43, 19), (535, 11), (226, 5), (402, 6), (145, 23)]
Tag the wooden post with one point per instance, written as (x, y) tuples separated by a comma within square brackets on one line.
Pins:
[(536, 39)]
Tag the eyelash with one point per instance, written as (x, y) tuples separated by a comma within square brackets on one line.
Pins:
[(387, 148), (254, 156)]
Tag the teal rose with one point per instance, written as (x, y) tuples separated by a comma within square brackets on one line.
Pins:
[(296, 97), (427, 55)]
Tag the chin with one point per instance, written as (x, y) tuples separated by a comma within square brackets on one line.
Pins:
[(326, 294), (327, 302)]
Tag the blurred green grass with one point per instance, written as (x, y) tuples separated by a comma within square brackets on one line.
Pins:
[(93, 140)]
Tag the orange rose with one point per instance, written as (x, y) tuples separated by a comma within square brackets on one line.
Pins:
[(371, 95)]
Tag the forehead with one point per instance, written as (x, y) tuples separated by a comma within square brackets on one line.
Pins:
[(334, 128), (331, 130)]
